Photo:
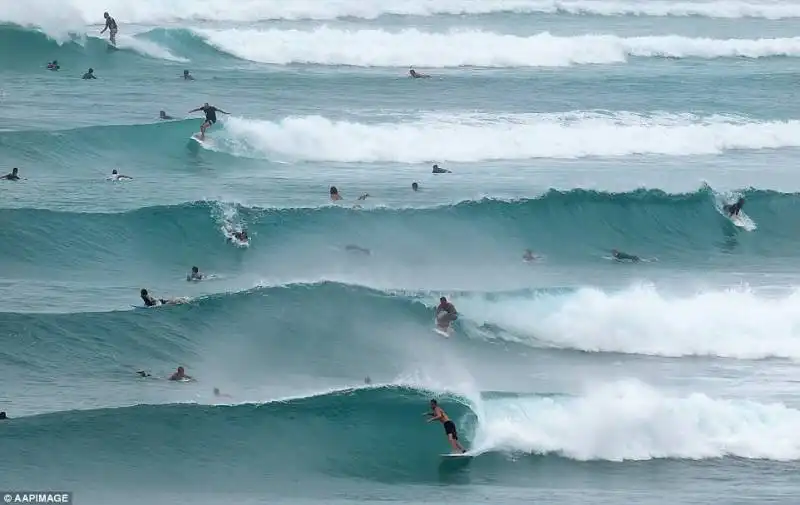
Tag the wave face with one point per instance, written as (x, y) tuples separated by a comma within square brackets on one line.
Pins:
[(572, 227), (637, 425), (453, 138)]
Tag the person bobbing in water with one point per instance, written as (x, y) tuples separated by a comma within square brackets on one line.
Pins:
[(335, 194), (437, 414), (179, 375), (445, 314), (211, 117), (111, 26), (195, 275)]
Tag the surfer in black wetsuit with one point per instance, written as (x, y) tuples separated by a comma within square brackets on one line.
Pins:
[(437, 414), (13, 176), (439, 170), (90, 74), (211, 117), (163, 115), (111, 26), (621, 256), (416, 75), (733, 209)]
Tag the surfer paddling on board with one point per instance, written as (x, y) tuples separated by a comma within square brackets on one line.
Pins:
[(416, 75), (437, 414), (445, 314), (621, 256), (733, 209), (111, 26), (211, 117)]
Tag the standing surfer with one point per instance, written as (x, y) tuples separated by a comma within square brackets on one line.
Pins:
[(111, 26), (437, 414), (211, 117)]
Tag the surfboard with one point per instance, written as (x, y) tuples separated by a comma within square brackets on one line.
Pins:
[(442, 332), (742, 221), (451, 455), (196, 138)]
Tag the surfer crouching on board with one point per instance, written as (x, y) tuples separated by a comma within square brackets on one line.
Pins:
[(733, 210), (445, 314), (211, 117), (437, 414)]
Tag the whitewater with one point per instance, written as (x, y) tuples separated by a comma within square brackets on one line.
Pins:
[(570, 128)]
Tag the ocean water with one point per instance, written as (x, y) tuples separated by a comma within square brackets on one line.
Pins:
[(571, 128)]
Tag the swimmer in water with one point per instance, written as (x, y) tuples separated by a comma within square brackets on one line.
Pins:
[(363, 197), (734, 209), (111, 26), (13, 176), (179, 375), (334, 194), (439, 170), (211, 117), (357, 249), (220, 395), (149, 300), (163, 115), (3, 416), (529, 256), (414, 186), (437, 414), (142, 373), (53, 65), (89, 74), (116, 176), (621, 256), (187, 76), (195, 275), (416, 75)]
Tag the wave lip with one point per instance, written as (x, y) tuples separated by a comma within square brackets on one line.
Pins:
[(476, 48), (473, 138)]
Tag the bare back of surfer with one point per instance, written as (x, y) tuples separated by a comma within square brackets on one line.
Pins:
[(437, 414), (211, 117)]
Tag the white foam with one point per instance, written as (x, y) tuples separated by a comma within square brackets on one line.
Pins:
[(455, 48), (631, 421), (732, 323), (469, 138), (155, 11)]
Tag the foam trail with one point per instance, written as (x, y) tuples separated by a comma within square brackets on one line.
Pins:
[(154, 11), (631, 421), (455, 48), (733, 323), (146, 48), (470, 139)]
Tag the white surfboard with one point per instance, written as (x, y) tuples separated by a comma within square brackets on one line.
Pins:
[(452, 455), (196, 137), (743, 221), (442, 332)]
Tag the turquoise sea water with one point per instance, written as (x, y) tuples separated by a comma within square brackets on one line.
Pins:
[(571, 128)]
